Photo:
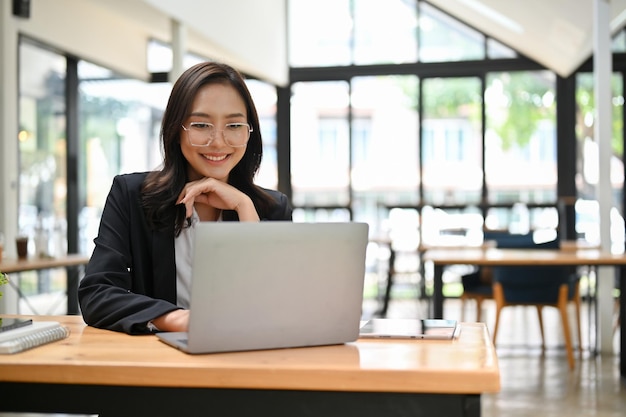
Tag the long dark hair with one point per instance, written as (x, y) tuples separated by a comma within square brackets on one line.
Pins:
[(161, 188)]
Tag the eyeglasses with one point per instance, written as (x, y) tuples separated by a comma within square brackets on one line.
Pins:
[(202, 134)]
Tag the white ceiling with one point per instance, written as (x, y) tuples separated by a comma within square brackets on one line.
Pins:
[(248, 34), (556, 33)]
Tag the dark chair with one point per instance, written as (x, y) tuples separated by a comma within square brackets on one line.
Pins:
[(477, 285), (539, 286), (504, 239)]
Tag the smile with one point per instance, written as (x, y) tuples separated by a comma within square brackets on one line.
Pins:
[(215, 158)]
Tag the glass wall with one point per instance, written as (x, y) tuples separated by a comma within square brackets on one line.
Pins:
[(320, 144), (469, 148), (431, 131), (42, 190), (587, 207), (384, 145), (447, 145), (330, 46), (377, 25), (521, 151), (452, 141), (42, 150), (265, 100), (520, 140), (119, 124), (445, 39)]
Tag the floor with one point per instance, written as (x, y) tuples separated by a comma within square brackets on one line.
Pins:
[(532, 384), (536, 384)]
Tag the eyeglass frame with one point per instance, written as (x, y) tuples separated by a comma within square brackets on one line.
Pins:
[(216, 130)]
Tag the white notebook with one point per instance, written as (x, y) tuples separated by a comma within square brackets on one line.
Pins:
[(36, 334)]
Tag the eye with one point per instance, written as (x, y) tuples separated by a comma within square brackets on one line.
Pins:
[(236, 126), (200, 126)]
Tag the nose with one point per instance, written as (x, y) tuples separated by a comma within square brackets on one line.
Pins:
[(217, 134)]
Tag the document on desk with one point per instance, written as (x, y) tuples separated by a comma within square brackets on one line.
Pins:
[(36, 334)]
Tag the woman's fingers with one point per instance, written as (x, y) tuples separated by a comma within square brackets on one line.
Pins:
[(211, 192)]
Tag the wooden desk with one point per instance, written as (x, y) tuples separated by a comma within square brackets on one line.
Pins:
[(71, 262), (99, 371), (34, 264), (520, 257)]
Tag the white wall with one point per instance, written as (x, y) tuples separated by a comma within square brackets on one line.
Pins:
[(8, 126)]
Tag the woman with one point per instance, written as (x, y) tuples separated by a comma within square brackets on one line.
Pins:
[(137, 280)]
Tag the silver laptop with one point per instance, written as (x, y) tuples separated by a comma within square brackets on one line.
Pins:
[(274, 285)]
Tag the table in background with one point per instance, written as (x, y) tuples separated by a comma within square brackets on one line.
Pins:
[(71, 263), (526, 257), (98, 371)]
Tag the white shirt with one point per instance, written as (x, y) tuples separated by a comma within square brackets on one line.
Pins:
[(183, 249)]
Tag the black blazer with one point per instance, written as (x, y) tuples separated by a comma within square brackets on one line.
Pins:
[(131, 276)]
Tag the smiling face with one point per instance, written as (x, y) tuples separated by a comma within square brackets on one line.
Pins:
[(218, 104)]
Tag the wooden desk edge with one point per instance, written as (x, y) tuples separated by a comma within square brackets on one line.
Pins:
[(61, 363), (33, 264), (519, 257)]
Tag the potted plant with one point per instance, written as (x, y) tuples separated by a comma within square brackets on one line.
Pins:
[(4, 279)]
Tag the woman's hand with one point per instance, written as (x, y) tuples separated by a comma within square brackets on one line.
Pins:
[(219, 195), (174, 321)]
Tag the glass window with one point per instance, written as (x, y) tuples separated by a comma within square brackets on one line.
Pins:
[(451, 227), (519, 218), (384, 32), (331, 23), (587, 210), (496, 50), (444, 39), (320, 144), (42, 140), (321, 215), (42, 195), (451, 141), (160, 57), (264, 96), (520, 139), (619, 42), (384, 144), (119, 133)]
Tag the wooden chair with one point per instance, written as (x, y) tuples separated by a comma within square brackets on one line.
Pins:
[(539, 286), (478, 285)]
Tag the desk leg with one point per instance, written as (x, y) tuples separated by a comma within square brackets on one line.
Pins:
[(72, 290), (593, 332), (622, 310), (390, 274), (437, 298)]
